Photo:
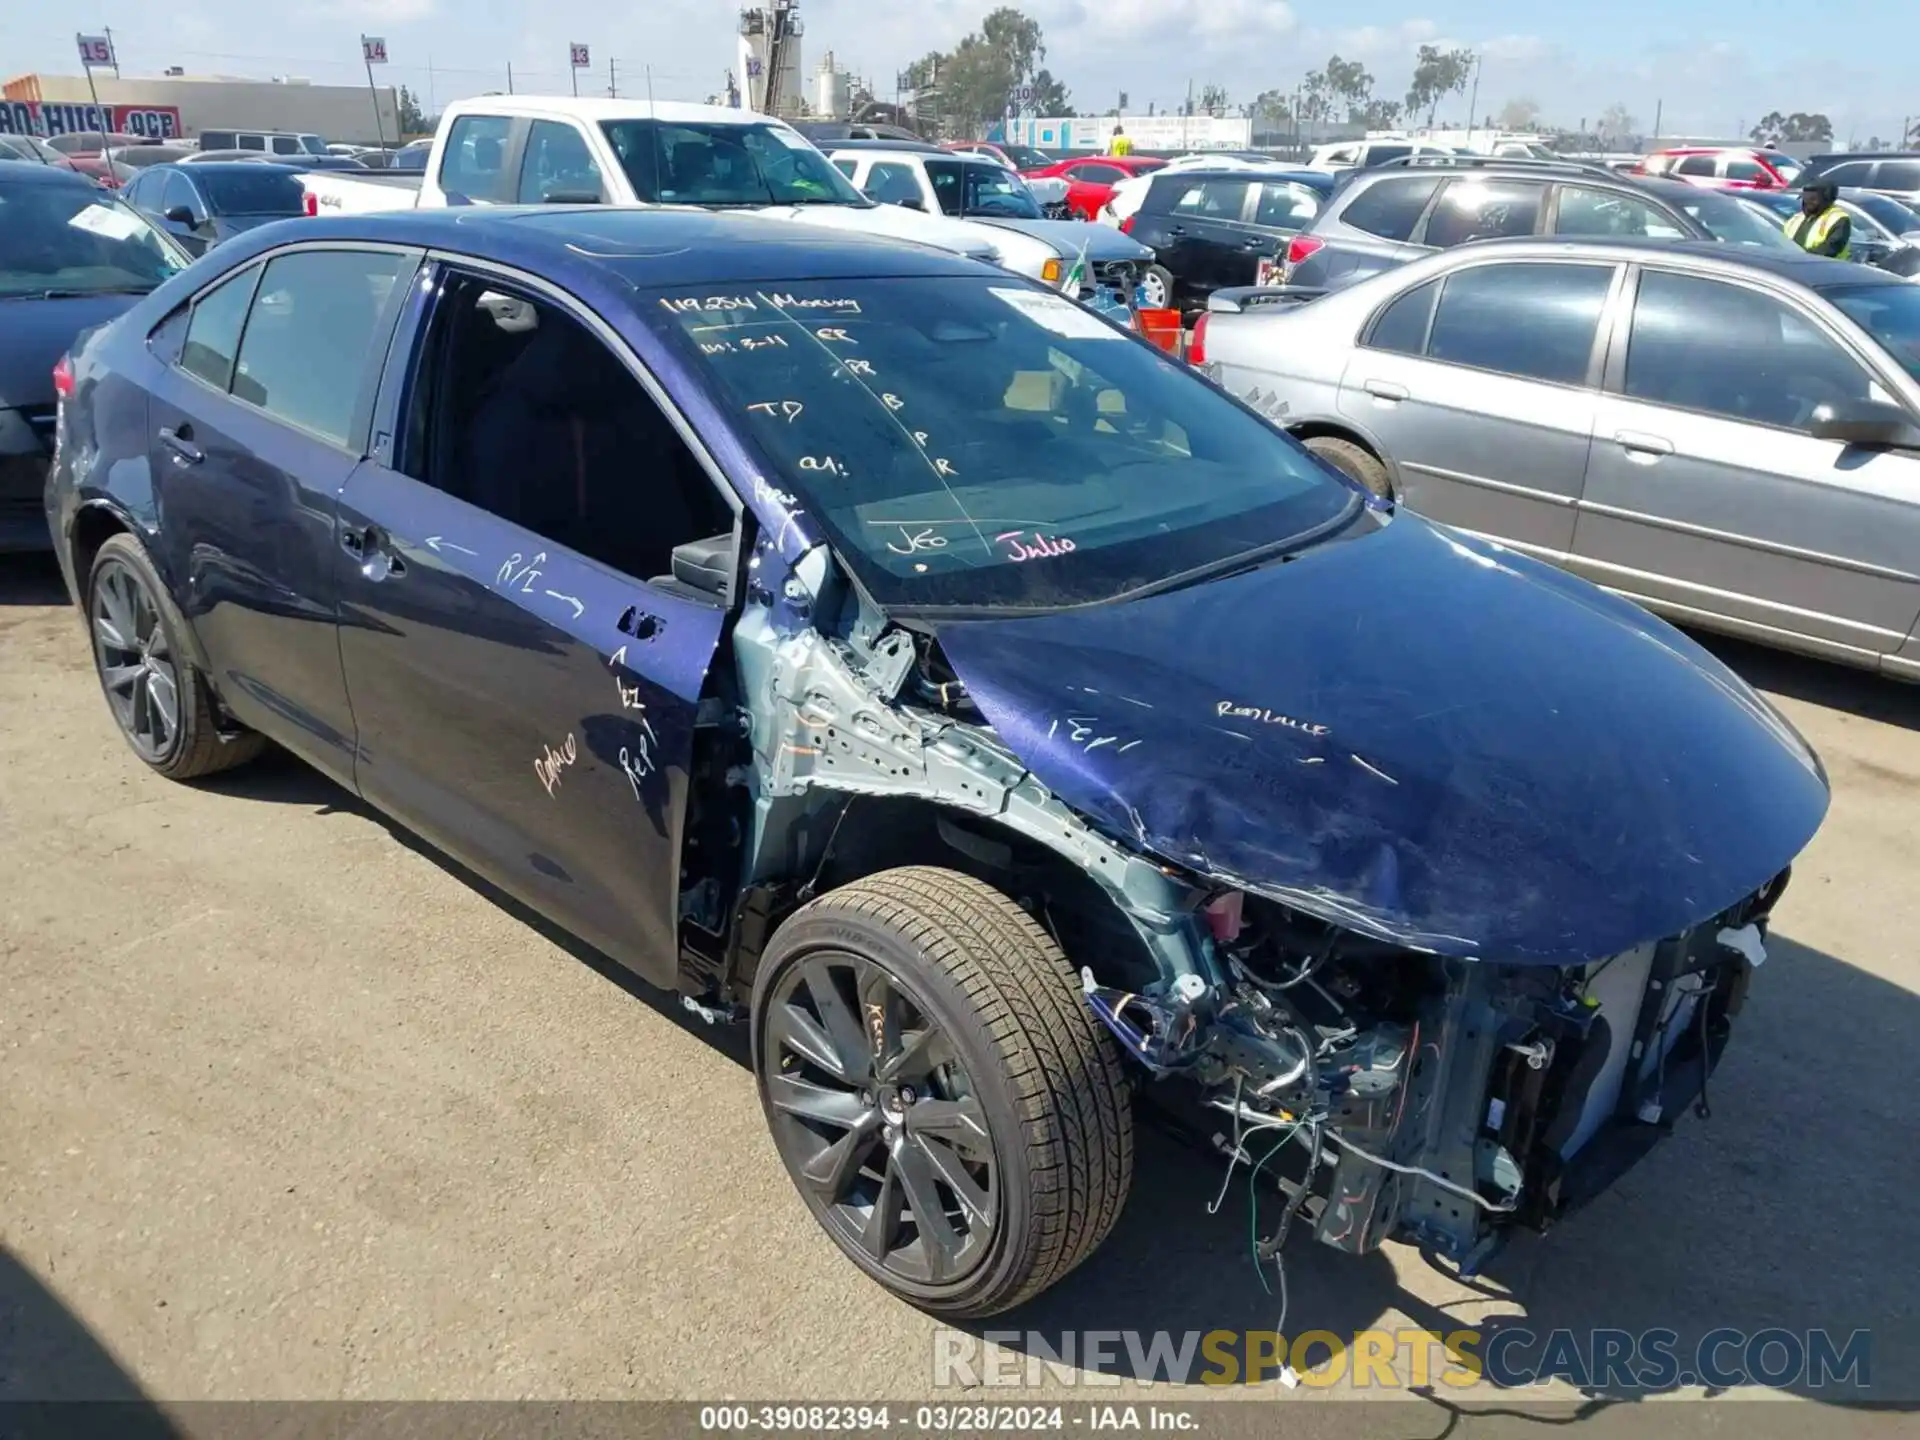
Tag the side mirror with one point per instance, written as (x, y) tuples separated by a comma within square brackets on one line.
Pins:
[(911, 204), (1870, 423), (179, 215)]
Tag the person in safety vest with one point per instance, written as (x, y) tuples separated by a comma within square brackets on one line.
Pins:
[(1821, 227), (1120, 144)]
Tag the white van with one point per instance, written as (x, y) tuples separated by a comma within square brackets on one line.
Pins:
[(273, 142)]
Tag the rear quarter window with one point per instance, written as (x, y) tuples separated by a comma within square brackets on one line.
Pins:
[(1898, 175), (1391, 208)]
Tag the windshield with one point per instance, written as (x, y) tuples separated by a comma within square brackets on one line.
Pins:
[(1729, 220), (1784, 165), (313, 145), (70, 239), (983, 443), (981, 187), (1026, 157), (250, 190), (1889, 313), (724, 164)]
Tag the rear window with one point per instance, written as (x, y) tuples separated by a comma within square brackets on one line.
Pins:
[(1391, 208), (70, 239), (1382, 154), (250, 190)]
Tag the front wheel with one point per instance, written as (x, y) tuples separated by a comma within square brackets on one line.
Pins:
[(1156, 288), (1356, 462), (939, 1093)]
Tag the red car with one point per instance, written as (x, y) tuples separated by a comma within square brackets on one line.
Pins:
[(1723, 168), (1091, 178)]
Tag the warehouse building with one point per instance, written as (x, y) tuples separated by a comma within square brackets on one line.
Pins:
[(187, 104)]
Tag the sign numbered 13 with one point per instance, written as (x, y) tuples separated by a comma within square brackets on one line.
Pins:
[(95, 50), (581, 60)]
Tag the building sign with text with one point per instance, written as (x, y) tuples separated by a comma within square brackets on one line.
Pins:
[(43, 118)]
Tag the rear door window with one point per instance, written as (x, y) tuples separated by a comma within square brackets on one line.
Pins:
[(1695, 165), (1392, 208), (219, 140), (893, 182), (251, 142), (1741, 168), (310, 334), (1586, 211), (287, 145), (558, 163), (1214, 198), (1534, 321), (1477, 209), (1284, 206), (1850, 172), (213, 330), (475, 159), (1097, 174)]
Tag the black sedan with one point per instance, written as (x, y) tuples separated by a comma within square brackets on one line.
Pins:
[(201, 205), (71, 258)]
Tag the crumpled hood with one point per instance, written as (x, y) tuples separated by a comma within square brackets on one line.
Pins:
[(1102, 242), (1420, 736), (958, 236)]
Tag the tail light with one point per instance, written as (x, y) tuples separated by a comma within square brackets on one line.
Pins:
[(1197, 341), (1126, 225), (310, 205), (1300, 247), (63, 377)]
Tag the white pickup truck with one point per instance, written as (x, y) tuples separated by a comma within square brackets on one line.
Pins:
[(532, 150)]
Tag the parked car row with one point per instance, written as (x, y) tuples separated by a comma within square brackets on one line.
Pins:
[(846, 635)]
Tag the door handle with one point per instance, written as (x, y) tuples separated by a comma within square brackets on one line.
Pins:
[(1637, 443), (180, 442), (1385, 390), (1257, 242), (1176, 229), (375, 551)]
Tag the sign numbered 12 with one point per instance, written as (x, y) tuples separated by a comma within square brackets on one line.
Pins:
[(374, 49), (95, 50), (581, 60)]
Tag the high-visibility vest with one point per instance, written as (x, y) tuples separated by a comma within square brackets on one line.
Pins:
[(1121, 145), (1816, 233)]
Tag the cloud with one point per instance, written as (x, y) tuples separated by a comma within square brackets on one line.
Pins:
[(390, 12)]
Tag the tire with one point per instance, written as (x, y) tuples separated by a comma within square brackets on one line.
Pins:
[(1356, 462), (1161, 276), (125, 593), (1025, 1060)]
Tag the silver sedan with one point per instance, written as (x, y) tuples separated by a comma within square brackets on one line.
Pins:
[(1729, 437)]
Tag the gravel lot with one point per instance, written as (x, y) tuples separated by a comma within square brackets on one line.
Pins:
[(290, 1107)]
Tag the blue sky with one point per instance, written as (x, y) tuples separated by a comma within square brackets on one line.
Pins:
[(1709, 64)]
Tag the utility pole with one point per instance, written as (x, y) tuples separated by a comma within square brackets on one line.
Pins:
[(510, 77), (1473, 101), (433, 107), (1658, 105), (613, 86)]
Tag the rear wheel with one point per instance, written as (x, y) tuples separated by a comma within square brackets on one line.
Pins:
[(939, 1093), (161, 703), (1356, 462)]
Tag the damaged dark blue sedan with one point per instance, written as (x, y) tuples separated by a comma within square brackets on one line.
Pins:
[(876, 648)]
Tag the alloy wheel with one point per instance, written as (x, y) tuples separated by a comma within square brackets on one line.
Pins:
[(1152, 292), (878, 1122), (137, 666)]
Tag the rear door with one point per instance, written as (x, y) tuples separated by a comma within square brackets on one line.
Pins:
[(255, 423), (1204, 232), (1705, 493), (1281, 209), (1364, 231), (524, 669), (1480, 387)]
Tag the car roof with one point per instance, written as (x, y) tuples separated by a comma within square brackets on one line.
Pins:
[(35, 172), (1795, 266), (637, 247), (900, 147), (586, 107), (1243, 172)]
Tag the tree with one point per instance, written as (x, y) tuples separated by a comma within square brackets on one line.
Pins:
[(1213, 100), (1519, 114), (412, 122), (1616, 123), (1775, 128), (1377, 114), (1049, 95), (1912, 137), (1271, 108), (1437, 74)]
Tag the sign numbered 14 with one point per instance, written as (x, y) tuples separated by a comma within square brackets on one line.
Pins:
[(95, 50), (581, 59), (374, 49)]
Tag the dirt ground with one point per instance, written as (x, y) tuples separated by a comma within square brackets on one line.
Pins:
[(292, 1108)]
